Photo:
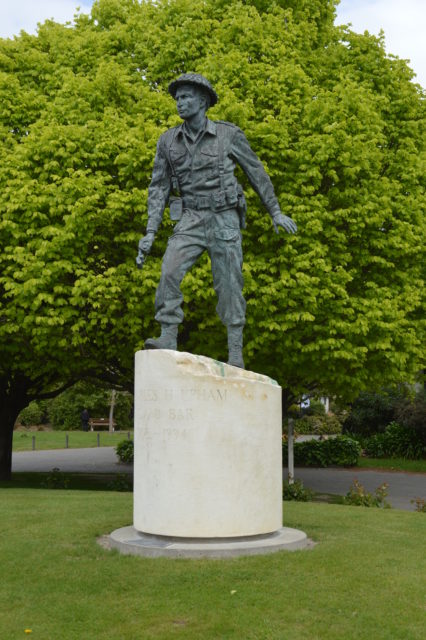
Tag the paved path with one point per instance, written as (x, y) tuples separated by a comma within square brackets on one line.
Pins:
[(403, 487), (95, 460)]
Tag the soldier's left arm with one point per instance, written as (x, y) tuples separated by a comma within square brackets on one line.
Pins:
[(244, 155)]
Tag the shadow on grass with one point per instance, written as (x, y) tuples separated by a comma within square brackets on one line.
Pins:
[(328, 498), (99, 482), (71, 481)]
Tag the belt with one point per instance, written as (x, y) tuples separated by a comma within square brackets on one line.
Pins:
[(197, 202), (215, 202)]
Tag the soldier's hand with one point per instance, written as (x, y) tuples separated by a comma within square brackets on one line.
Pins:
[(287, 223), (145, 243), (144, 247)]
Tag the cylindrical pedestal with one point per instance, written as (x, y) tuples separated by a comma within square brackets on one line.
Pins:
[(207, 448)]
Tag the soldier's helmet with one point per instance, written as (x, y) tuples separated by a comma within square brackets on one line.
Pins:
[(199, 81)]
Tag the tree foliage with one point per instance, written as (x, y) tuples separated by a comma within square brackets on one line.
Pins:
[(339, 127)]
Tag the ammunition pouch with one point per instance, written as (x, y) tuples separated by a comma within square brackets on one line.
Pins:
[(176, 208), (217, 201)]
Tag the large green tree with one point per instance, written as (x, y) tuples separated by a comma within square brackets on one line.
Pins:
[(339, 126)]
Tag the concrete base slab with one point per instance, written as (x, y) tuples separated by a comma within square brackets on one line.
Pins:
[(129, 541)]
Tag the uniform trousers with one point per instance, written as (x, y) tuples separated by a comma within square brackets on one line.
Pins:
[(219, 234)]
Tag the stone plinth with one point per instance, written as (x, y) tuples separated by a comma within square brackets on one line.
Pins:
[(131, 542), (207, 448)]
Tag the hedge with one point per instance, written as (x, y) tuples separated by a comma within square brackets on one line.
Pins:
[(340, 451)]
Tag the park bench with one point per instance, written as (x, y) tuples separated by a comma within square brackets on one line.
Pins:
[(100, 424)]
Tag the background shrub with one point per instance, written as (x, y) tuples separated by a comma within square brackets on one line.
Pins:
[(296, 491), (411, 413), (125, 450), (372, 412), (357, 496), (339, 451), (325, 424), (34, 414), (316, 408), (420, 504), (56, 480), (397, 441), (64, 412)]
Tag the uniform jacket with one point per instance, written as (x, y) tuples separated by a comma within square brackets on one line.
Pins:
[(204, 171)]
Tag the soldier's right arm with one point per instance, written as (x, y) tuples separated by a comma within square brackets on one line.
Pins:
[(158, 193)]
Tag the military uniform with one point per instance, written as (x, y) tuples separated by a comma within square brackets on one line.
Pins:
[(194, 173), (203, 172)]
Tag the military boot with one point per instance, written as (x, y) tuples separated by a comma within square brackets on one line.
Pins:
[(235, 346), (167, 339)]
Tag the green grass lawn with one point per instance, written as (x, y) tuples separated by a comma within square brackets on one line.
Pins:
[(364, 579), (393, 464), (22, 440)]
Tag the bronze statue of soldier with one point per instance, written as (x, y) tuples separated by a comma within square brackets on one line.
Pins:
[(194, 174)]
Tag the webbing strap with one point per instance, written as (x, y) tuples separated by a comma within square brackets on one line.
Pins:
[(175, 181), (221, 159)]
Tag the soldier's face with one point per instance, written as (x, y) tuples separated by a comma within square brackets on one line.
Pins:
[(189, 101)]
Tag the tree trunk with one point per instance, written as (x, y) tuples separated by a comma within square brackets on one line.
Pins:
[(6, 438), (8, 414), (111, 411), (15, 396)]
